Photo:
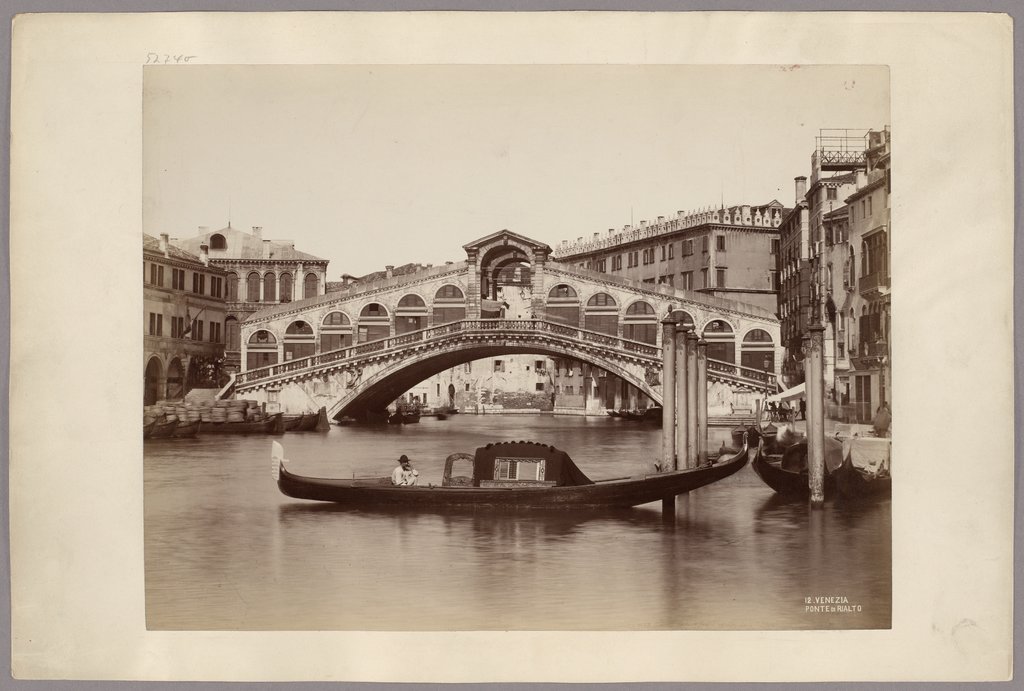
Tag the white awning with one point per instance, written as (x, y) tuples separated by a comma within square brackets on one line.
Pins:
[(798, 391)]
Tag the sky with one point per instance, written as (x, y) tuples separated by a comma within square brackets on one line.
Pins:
[(374, 165)]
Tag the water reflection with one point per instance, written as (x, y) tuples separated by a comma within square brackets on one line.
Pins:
[(225, 550)]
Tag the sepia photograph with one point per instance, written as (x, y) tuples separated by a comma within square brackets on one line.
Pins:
[(554, 347), (524, 347)]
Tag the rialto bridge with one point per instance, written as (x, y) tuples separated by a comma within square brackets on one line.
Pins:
[(359, 349)]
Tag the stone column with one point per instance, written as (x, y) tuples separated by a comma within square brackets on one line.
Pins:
[(538, 298), (814, 375), (668, 394), (682, 375), (702, 402), (691, 399), (473, 286)]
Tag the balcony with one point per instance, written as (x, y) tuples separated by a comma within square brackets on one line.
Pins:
[(874, 285)]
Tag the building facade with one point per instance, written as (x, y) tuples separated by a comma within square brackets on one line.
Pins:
[(184, 310), (794, 297), (258, 273), (727, 252)]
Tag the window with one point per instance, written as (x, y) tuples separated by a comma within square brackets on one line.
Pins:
[(311, 286), (217, 242), (198, 283), (686, 280), (720, 243), (671, 250), (467, 368), (869, 205), (704, 278), (773, 276), (830, 193), (252, 292), (539, 386), (270, 288), (286, 288), (775, 246), (232, 286), (197, 333), (178, 279), (216, 286), (687, 248), (863, 208), (667, 279), (518, 469), (156, 324), (664, 251), (720, 278), (568, 390), (704, 244), (499, 365), (617, 263), (449, 292), (538, 365)]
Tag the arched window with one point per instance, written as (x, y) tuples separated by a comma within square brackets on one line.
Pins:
[(374, 323), (261, 350), (721, 341), (640, 323), (602, 315), (217, 242), (286, 287), (270, 288), (564, 305), (232, 285), (449, 305), (335, 332), (758, 351), (411, 314), (252, 293), (311, 286), (299, 341)]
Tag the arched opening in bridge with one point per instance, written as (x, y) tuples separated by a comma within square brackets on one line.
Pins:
[(374, 323), (335, 332), (449, 305), (721, 341), (758, 351), (564, 305), (640, 323), (154, 369), (506, 281), (411, 314), (175, 384), (261, 350), (602, 315), (299, 341)]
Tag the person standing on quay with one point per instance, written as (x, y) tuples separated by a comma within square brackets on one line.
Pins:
[(803, 409)]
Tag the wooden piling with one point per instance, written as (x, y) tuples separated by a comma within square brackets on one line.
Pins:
[(702, 402), (814, 376), (668, 394), (322, 423), (682, 402), (691, 399)]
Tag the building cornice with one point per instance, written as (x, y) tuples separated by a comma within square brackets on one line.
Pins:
[(665, 236), (157, 256)]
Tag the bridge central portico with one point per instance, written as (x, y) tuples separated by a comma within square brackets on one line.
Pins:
[(362, 347)]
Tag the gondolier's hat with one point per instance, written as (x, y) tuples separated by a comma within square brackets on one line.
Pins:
[(404, 459)]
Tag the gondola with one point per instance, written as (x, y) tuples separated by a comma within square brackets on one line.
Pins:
[(147, 428), (864, 472), (272, 425), (507, 475), (185, 430), (786, 472)]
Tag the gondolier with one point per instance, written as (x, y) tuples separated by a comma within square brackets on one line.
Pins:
[(404, 473)]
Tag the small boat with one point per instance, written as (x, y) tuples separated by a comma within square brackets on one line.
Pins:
[(304, 422), (406, 415), (786, 472), (185, 430), (147, 428), (613, 413), (865, 470), (507, 475), (272, 425), (163, 430)]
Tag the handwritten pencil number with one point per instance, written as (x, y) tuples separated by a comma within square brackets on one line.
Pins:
[(168, 59)]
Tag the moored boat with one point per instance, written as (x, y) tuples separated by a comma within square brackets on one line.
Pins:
[(272, 425), (163, 430), (786, 472), (303, 422), (507, 475), (185, 430), (865, 470), (147, 428)]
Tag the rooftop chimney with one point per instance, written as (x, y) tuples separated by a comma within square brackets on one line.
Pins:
[(163, 244), (661, 219), (204, 254), (596, 235), (643, 224), (389, 270), (801, 188)]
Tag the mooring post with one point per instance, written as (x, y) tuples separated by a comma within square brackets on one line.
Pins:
[(682, 403), (668, 394), (815, 412), (691, 399), (702, 402)]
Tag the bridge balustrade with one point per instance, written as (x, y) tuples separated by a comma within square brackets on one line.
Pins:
[(645, 350)]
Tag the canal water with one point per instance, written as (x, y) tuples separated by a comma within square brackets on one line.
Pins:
[(225, 550)]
